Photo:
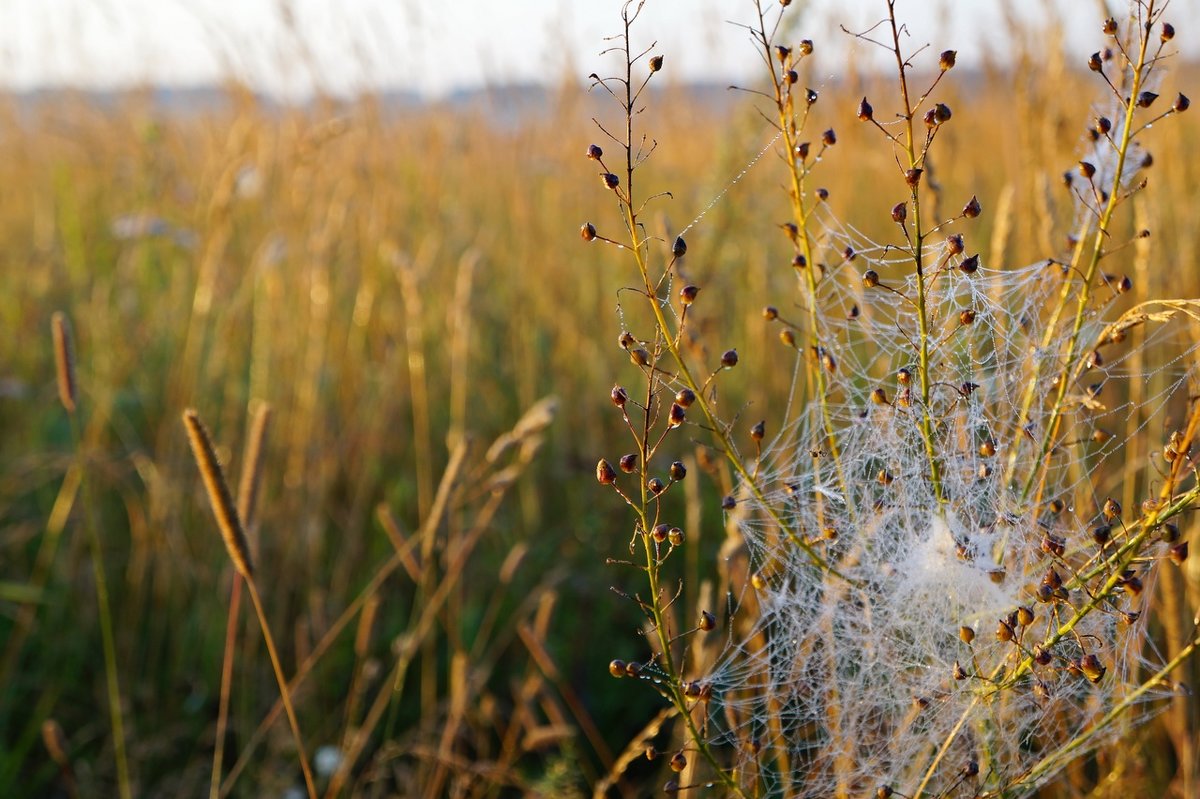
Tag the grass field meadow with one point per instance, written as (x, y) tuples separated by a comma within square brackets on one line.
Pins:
[(406, 289)]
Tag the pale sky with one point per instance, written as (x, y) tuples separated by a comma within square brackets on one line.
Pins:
[(290, 47)]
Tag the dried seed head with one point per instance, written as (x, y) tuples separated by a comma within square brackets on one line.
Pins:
[(639, 356), (946, 59), (987, 449), (1168, 32), (1004, 631), (810, 96), (1178, 553), (972, 209), (1110, 27), (605, 474), (758, 431), (1087, 169), (828, 362), (770, 313), (687, 294), (787, 337), (626, 340), (659, 533), (1092, 668), (685, 397), (899, 212), (879, 396), (829, 138), (782, 53), (822, 194), (959, 672), (966, 633), (971, 769), (941, 113), (728, 502), (1041, 655), (219, 495), (587, 232), (675, 536), (885, 477), (628, 463), (801, 153), (1095, 64), (651, 752), (913, 177), (676, 416), (1053, 545), (904, 376), (616, 668), (870, 278), (1103, 125), (619, 396), (865, 112), (678, 762), (708, 621), (64, 360), (806, 46), (955, 244), (884, 792), (671, 786), (1111, 509), (930, 119), (729, 359), (1146, 99), (791, 77), (633, 669), (758, 581), (1095, 360), (1100, 436), (1024, 616), (966, 316), (970, 266), (1181, 104), (1169, 533), (677, 471), (1052, 578), (594, 152), (611, 181), (1102, 534), (656, 63)]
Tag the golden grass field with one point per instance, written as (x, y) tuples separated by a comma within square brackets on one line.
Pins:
[(402, 286)]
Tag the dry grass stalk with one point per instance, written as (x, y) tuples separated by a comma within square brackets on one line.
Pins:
[(64, 360)]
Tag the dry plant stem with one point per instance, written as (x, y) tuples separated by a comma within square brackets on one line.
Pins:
[(796, 175), (918, 254), (64, 357), (1138, 74)]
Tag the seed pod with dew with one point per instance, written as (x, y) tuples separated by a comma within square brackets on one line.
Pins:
[(219, 495), (879, 396), (970, 265), (676, 415), (972, 209), (899, 213), (783, 53), (659, 533), (1004, 631), (955, 244), (802, 150), (1110, 27), (587, 232), (611, 181), (810, 96), (687, 294), (806, 47), (1053, 545), (677, 471), (1181, 104), (708, 622), (885, 477), (633, 669), (679, 248), (849, 254), (930, 119), (656, 485), (770, 313), (691, 689), (64, 360), (758, 431), (619, 396), (626, 340), (729, 359), (865, 112), (829, 138), (685, 397), (605, 474), (912, 177), (1146, 99), (628, 463), (947, 59), (616, 668), (966, 316), (791, 77), (656, 63), (870, 278), (1095, 63), (675, 536)]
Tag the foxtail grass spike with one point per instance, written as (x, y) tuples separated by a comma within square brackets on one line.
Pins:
[(218, 493)]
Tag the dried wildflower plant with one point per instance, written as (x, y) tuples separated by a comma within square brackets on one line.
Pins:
[(939, 595)]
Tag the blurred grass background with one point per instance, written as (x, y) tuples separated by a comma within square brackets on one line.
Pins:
[(395, 281)]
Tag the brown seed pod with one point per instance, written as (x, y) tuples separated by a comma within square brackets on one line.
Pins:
[(955, 244), (758, 431), (656, 486), (675, 536), (611, 181), (619, 396), (656, 63), (829, 138), (729, 359), (677, 471), (678, 762), (1112, 509), (728, 502), (770, 313), (605, 474), (870, 278), (679, 248), (594, 152), (587, 232), (970, 266), (966, 633), (660, 532), (685, 397), (708, 622), (1092, 668), (966, 316), (687, 294), (628, 463), (616, 668), (972, 209), (879, 396), (946, 60), (865, 112), (676, 416)]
